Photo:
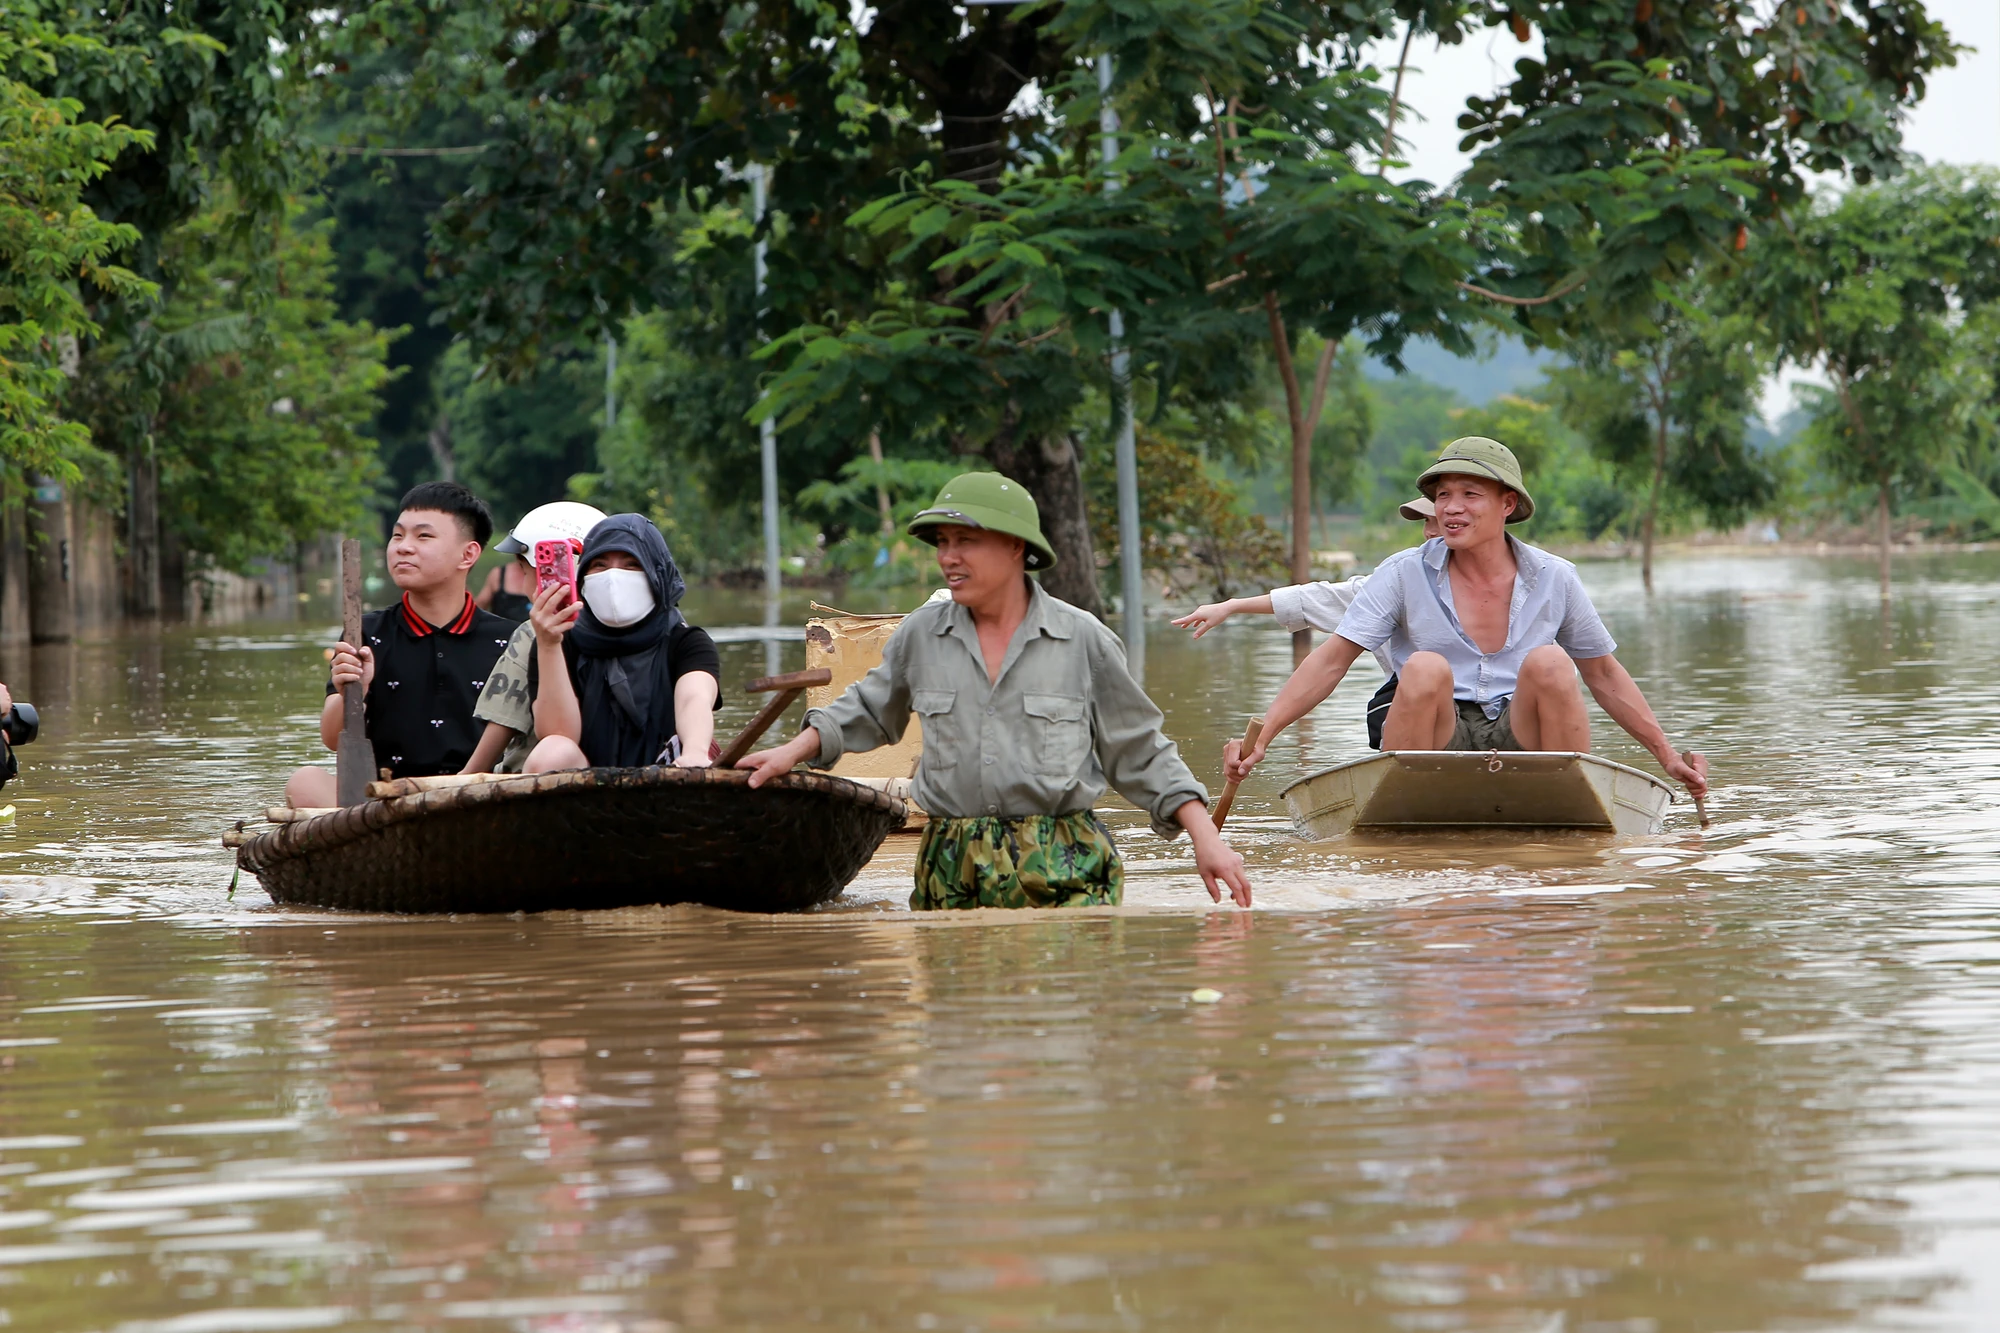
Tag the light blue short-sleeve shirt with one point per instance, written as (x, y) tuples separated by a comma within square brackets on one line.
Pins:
[(1406, 608)]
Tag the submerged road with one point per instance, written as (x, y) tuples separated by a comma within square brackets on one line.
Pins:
[(1728, 1081)]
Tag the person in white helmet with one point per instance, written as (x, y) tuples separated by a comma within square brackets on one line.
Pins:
[(509, 590), (508, 739)]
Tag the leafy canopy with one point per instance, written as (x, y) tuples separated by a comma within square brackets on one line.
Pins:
[(53, 249)]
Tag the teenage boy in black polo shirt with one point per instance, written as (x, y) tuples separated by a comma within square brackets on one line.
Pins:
[(426, 658)]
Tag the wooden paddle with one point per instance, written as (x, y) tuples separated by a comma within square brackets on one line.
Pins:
[(1250, 734), (1700, 804), (787, 688), (354, 763)]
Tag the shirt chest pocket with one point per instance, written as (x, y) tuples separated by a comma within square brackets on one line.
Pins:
[(941, 741), (1058, 734)]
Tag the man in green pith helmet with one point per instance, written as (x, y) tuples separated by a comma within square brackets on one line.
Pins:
[(1487, 634), (1029, 713)]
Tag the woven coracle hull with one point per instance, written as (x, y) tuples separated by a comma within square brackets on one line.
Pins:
[(592, 838)]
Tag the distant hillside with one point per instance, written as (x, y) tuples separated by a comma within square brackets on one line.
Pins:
[(1508, 367)]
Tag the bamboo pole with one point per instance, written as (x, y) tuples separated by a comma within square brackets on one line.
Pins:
[(355, 759)]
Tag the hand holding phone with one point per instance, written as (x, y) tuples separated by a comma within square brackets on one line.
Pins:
[(555, 566)]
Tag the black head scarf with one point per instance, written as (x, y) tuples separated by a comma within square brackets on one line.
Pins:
[(624, 676)]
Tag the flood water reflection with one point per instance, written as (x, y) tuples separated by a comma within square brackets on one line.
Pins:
[(1732, 1081)]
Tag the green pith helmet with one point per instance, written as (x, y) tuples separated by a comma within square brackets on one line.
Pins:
[(991, 501), (1477, 456)]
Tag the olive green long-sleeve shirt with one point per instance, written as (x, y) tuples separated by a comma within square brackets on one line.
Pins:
[(1064, 720)]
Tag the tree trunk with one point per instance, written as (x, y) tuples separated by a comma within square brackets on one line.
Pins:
[(173, 576), (440, 442), (1882, 530), (1048, 466), (14, 565), (143, 535), (1653, 505), (1304, 421), (881, 494), (51, 603)]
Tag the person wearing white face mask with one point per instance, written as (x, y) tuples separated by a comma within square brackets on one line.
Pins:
[(619, 679)]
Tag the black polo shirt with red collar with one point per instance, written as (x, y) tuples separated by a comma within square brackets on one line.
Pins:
[(427, 682)]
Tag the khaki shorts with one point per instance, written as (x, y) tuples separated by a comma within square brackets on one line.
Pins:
[(1475, 731)]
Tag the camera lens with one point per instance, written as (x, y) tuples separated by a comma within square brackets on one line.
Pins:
[(23, 724)]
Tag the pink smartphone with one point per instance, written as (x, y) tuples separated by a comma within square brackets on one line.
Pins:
[(555, 563)]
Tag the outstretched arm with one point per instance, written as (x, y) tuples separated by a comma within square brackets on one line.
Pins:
[(1308, 688), (780, 760), (1206, 617), (1618, 695)]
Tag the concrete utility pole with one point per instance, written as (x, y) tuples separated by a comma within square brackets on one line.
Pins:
[(610, 387), (767, 432), (1132, 577)]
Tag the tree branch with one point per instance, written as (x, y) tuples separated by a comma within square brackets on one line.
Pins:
[(1396, 93), (1321, 373), (360, 151), (1505, 299)]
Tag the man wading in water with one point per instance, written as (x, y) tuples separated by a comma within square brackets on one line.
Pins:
[(1028, 713), (1483, 630)]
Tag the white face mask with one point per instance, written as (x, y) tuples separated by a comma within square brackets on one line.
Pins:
[(618, 597)]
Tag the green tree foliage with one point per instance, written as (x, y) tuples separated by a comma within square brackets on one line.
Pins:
[(1671, 408), (518, 442), (1197, 532), (1576, 492), (864, 509), (1646, 138), (681, 451), (259, 431), (1346, 430), (393, 163), (53, 249), (204, 81), (1873, 286)]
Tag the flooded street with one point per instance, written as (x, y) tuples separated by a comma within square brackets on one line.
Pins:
[(1740, 1080)]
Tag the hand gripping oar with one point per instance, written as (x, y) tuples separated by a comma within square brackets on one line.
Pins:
[(789, 687), (354, 761), (1700, 803), (1250, 734)]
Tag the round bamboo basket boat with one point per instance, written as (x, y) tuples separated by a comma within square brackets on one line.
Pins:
[(577, 840)]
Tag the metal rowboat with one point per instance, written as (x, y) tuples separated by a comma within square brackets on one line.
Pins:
[(1413, 790)]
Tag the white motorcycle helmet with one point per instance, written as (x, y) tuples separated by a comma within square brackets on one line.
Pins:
[(547, 523)]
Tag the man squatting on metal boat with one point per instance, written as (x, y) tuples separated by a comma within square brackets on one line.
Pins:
[(1029, 712), (1487, 635)]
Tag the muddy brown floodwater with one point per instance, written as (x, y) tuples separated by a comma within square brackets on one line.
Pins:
[(1734, 1081)]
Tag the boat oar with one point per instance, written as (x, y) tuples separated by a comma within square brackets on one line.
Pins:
[(1250, 734), (354, 761), (1700, 803), (783, 690)]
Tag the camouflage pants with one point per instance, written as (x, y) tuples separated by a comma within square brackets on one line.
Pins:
[(1034, 861)]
